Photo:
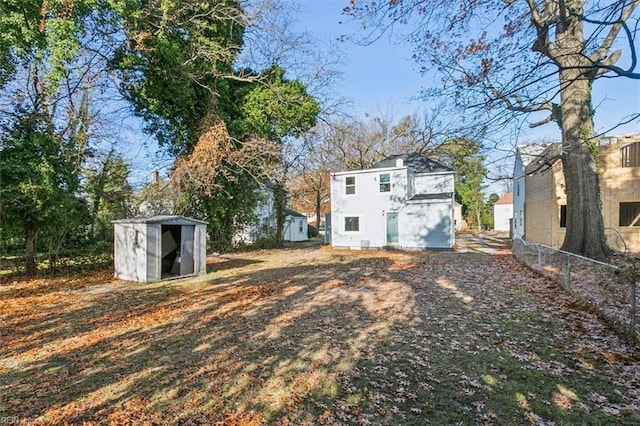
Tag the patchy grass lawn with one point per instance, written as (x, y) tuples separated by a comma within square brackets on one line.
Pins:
[(313, 336)]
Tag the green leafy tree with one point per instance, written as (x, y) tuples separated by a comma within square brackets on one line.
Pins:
[(110, 195), (488, 219), (46, 76), (465, 157), (38, 187), (278, 109), (175, 56)]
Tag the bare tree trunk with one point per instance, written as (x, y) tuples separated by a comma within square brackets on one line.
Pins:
[(280, 204), (318, 202), (585, 228), (30, 253)]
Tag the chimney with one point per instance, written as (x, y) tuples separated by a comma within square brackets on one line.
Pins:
[(155, 177)]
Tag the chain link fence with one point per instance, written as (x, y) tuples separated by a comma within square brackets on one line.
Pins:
[(608, 290)]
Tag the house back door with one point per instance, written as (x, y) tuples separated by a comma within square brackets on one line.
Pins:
[(392, 228), (186, 250)]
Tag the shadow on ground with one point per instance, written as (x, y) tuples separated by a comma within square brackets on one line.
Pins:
[(304, 336)]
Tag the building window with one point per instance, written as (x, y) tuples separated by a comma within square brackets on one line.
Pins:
[(385, 182), (521, 217), (630, 155), (352, 224), (563, 216), (350, 185), (300, 228), (518, 188), (630, 214)]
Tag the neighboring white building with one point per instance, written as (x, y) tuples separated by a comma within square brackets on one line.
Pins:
[(296, 227), (295, 224), (156, 198), (458, 222), (405, 201), (503, 213), (524, 156)]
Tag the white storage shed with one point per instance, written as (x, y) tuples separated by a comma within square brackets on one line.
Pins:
[(296, 227), (160, 247)]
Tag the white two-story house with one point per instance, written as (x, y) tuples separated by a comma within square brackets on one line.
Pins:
[(405, 201)]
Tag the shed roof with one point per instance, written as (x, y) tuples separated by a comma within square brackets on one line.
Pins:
[(418, 162), (165, 219), (294, 213)]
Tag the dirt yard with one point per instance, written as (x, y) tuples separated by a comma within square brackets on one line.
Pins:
[(311, 335)]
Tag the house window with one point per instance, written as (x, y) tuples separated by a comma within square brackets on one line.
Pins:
[(385, 182), (518, 188), (352, 224), (563, 216), (630, 214), (300, 228), (521, 217), (350, 185), (631, 155)]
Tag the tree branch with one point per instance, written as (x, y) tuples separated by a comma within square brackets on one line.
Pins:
[(601, 53)]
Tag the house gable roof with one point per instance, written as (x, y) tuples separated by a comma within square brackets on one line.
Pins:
[(417, 162), (529, 153), (543, 159), (505, 199)]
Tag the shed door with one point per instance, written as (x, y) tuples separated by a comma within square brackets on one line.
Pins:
[(392, 228), (186, 250)]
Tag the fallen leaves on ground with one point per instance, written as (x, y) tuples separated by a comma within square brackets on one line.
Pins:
[(314, 336)]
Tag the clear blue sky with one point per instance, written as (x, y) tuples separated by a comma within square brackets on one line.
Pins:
[(383, 75)]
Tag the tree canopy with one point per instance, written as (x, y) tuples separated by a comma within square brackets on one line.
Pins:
[(63, 64)]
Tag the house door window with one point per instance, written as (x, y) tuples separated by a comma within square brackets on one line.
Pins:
[(392, 228)]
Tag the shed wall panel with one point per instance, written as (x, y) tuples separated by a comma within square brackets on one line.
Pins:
[(154, 252), (200, 249), (140, 252), (129, 260)]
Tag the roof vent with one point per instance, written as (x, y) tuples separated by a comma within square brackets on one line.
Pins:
[(399, 162)]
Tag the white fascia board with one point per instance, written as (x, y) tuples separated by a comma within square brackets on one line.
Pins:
[(452, 172), (381, 170)]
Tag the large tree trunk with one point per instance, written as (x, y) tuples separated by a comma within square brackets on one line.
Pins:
[(585, 229)]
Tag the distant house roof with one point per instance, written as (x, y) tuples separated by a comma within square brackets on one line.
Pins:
[(505, 199), (294, 213), (417, 162), (167, 219)]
